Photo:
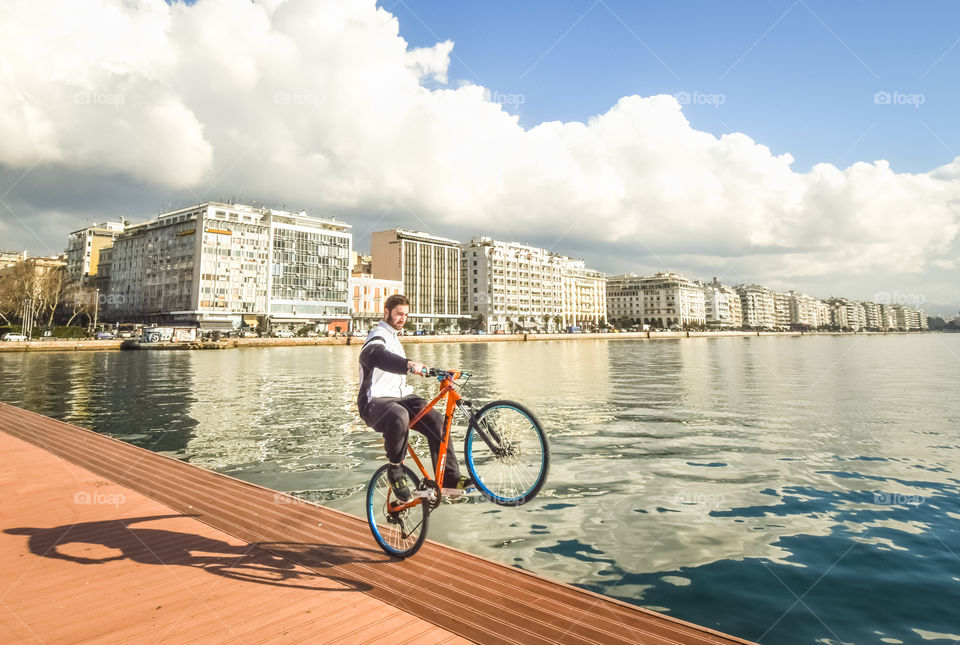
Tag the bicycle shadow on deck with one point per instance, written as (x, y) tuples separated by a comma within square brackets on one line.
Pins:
[(278, 564)]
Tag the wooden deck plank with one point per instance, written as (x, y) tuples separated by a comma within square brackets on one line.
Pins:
[(518, 607)]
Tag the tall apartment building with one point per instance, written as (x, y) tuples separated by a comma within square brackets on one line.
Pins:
[(758, 305), (781, 310), (806, 312), (722, 308), (909, 318), (429, 268), (509, 285), (228, 265), (871, 311), (663, 300), (84, 247)]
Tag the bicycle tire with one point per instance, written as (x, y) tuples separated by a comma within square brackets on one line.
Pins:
[(398, 535), (515, 477)]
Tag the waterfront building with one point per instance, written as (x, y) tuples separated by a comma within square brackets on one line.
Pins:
[(888, 317), (803, 311), (367, 297), (909, 318), (663, 300), (429, 268), (310, 271), (757, 304), (872, 320), (84, 247), (625, 299), (781, 310), (223, 266), (722, 308), (584, 295), (507, 286)]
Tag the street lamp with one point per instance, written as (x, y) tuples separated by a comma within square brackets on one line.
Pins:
[(96, 307)]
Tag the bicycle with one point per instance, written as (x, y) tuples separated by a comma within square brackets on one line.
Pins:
[(505, 450)]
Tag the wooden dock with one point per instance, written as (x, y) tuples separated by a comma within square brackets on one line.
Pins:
[(102, 541)]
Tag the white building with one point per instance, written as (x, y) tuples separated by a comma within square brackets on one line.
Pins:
[(507, 286), (757, 303), (663, 300), (429, 268), (83, 250), (722, 308), (224, 266), (806, 312), (584, 295)]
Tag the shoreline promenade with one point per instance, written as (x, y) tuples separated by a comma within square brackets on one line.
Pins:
[(106, 542), (230, 343)]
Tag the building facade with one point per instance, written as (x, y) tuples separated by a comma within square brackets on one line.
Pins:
[(508, 286), (663, 301), (367, 297), (226, 266), (429, 269), (84, 248), (584, 295), (757, 304)]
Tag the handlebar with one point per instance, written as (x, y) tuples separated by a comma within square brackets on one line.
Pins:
[(440, 375)]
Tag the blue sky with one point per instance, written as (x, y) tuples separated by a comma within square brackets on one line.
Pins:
[(799, 77)]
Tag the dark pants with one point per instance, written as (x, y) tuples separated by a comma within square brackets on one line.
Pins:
[(390, 416)]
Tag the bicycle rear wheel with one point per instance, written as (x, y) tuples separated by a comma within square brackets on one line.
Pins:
[(507, 453), (402, 533)]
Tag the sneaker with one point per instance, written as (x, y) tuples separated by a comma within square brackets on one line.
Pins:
[(398, 482), (462, 486)]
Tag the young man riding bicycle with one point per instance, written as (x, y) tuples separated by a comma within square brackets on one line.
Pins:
[(387, 403)]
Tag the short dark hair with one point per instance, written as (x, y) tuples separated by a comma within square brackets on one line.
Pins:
[(395, 300)]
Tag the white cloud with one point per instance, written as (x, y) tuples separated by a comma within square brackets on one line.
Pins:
[(320, 103)]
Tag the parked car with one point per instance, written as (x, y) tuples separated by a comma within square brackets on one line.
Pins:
[(248, 334), (283, 333), (13, 338), (105, 335)]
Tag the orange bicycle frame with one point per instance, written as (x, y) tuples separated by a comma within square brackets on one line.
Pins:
[(452, 396)]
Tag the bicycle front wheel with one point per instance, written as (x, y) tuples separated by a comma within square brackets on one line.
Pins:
[(399, 533), (507, 453)]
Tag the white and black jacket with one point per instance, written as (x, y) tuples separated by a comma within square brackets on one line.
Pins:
[(383, 366)]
